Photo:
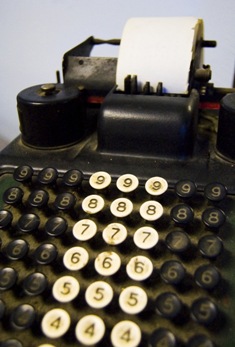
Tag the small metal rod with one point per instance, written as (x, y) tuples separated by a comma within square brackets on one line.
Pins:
[(58, 76), (209, 43), (127, 84)]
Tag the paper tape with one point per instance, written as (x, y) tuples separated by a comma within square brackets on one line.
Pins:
[(159, 50)]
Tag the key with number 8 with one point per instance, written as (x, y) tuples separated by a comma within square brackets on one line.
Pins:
[(151, 210)]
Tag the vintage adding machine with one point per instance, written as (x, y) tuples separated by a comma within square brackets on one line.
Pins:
[(117, 200)]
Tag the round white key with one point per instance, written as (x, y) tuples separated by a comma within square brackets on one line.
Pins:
[(65, 289), (151, 210), (139, 268), (146, 237), (100, 180), (107, 263), (99, 294), (121, 207), (126, 334), (93, 204), (84, 229), (156, 186), (55, 323), (127, 183), (133, 300), (114, 234), (90, 330), (75, 258)]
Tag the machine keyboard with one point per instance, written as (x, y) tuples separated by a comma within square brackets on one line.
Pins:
[(111, 261)]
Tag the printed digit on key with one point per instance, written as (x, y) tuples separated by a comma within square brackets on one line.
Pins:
[(127, 183), (121, 207), (90, 330), (133, 300), (151, 210), (55, 323), (114, 234), (99, 294), (146, 237), (65, 289), (126, 334), (107, 263), (75, 258), (84, 229), (139, 268), (100, 180), (156, 186), (93, 204)]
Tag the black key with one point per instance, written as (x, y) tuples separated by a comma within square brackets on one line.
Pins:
[(47, 176), (215, 191), (185, 189), (204, 311), (56, 226), (162, 337), (13, 196), (168, 305), (178, 241), (5, 218), (38, 198), (8, 277), (45, 254), (172, 272), (72, 178), (23, 173), (65, 201), (16, 249), (213, 217), (22, 317), (210, 246), (207, 277), (11, 343), (2, 308), (200, 341), (35, 284), (182, 214), (28, 222)]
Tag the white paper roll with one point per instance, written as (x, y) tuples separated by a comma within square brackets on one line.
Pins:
[(158, 50)]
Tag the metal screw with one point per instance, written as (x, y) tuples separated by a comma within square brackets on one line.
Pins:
[(48, 88)]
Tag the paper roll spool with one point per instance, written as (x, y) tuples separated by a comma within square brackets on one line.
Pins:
[(160, 50)]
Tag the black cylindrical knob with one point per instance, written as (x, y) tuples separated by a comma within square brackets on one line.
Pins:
[(226, 127), (51, 115)]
